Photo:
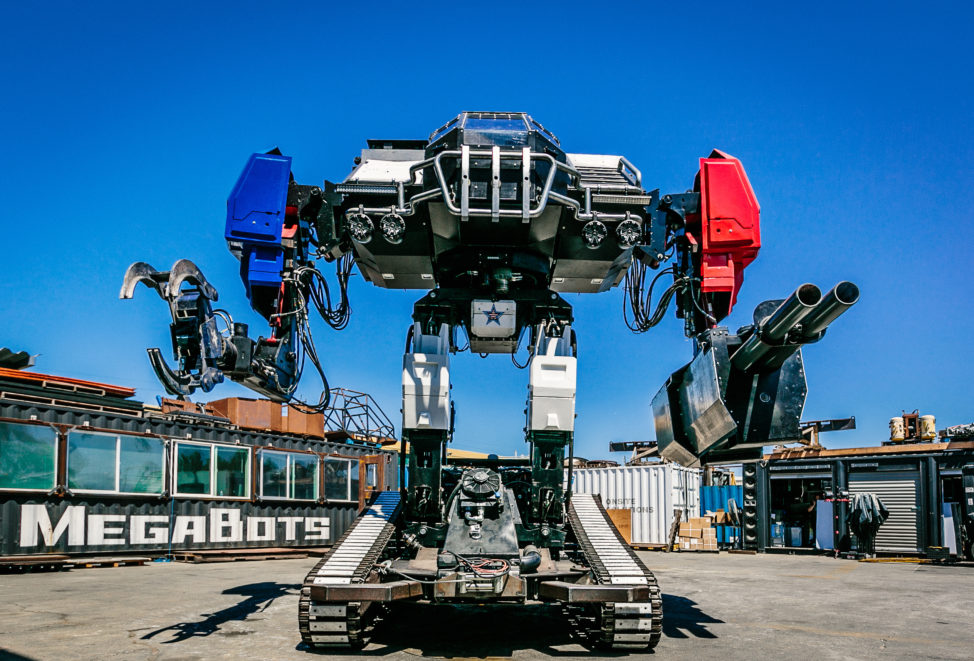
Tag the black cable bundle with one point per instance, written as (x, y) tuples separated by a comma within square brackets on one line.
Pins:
[(320, 295), (313, 287), (644, 316)]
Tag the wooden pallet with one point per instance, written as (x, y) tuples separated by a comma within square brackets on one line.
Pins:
[(16, 564), (238, 555), (121, 561), (649, 547), (909, 559)]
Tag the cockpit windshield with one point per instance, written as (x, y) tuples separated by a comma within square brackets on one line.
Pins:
[(443, 130), (504, 129), (501, 125)]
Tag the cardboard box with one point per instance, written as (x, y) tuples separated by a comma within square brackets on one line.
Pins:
[(697, 545), (686, 530)]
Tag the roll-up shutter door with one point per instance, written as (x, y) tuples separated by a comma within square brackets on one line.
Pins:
[(899, 492)]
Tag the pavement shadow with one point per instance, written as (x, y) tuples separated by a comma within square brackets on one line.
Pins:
[(452, 631), (257, 597), (7, 655), (682, 618)]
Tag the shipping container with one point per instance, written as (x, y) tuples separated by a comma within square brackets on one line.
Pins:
[(651, 493), (99, 474), (807, 494)]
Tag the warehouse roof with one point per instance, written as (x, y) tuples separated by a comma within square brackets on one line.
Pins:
[(906, 448), (66, 383)]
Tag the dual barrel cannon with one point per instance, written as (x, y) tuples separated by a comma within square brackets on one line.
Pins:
[(744, 391)]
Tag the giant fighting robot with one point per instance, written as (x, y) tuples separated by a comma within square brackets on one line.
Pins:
[(493, 221)]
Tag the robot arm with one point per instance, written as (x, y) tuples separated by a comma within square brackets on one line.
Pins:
[(276, 228), (711, 233), (741, 391)]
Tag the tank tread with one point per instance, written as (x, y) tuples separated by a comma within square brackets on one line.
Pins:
[(616, 626), (350, 560)]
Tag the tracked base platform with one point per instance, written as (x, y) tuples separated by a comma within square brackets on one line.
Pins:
[(615, 606), (615, 625), (325, 624)]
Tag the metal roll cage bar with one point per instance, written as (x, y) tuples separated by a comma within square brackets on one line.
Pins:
[(583, 211)]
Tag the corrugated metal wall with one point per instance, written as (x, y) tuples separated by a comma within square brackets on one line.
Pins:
[(715, 498), (174, 427), (38, 522), (652, 492)]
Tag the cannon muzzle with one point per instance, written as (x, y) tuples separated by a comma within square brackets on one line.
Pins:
[(801, 318), (773, 332), (841, 297)]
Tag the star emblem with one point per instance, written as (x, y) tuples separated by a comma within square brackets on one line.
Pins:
[(493, 315)]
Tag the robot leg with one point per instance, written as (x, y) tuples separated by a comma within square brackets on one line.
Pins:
[(427, 417), (550, 418)]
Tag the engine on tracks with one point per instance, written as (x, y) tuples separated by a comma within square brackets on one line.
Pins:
[(609, 597)]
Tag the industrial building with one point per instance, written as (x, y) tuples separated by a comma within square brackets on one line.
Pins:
[(85, 469), (799, 499)]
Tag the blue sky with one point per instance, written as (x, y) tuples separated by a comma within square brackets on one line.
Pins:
[(126, 125)]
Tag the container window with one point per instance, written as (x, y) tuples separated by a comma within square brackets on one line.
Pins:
[(91, 461), (27, 456), (353, 482), (220, 471), (338, 479), (193, 469), (115, 463), (231, 472), (304, 477), (273, 470), (289, 475), (140, 464)]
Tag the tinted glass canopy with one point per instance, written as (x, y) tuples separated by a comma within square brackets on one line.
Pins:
[(493, 122)]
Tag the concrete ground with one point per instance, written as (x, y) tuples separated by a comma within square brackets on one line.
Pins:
[(715, 607)]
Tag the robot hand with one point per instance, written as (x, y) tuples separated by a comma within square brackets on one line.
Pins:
[(204, 354), (198, 346)]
